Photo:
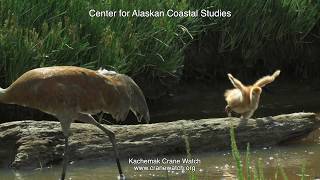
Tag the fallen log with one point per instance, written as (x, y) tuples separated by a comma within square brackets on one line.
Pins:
[(30, 144)]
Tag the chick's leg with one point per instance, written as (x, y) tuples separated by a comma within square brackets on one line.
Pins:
[(228, 110)]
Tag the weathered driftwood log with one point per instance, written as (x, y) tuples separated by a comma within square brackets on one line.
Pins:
[(30, 144)]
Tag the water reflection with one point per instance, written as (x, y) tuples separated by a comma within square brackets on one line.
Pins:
[(214, 165)]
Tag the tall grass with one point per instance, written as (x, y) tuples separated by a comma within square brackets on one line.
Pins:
[(236, 155), (257, 171), (191, 174), (44, 33), (245, 170), (262, 35)]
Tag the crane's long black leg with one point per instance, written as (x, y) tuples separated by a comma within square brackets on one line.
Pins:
[(65, 125), (89, 119), (65, 158), (111, 135)]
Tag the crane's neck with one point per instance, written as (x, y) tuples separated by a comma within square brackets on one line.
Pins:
[(2, 93)]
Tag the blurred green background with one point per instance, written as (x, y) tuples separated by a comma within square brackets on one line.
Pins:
[(260, 34)]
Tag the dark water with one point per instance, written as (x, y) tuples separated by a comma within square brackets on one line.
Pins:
[(198, 101), (213, 165)]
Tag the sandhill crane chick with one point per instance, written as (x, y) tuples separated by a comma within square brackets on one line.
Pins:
[(243, 99)]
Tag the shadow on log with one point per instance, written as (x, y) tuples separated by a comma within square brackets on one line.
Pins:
[(31, 144)]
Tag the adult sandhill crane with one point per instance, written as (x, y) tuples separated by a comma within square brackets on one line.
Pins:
[(243, 99), (73, 93)]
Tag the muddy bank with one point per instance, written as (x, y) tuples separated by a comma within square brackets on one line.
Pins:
[(31, 144)]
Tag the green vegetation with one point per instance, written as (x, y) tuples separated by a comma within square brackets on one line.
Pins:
[(303, 171), (44, 33), (257, 171), (245, 170), (191, 174)]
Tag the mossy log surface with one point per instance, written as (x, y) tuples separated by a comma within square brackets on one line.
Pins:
[(29, 144)]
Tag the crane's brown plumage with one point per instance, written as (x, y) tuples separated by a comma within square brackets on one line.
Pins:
[(66, 89), (243, 99), (73, 93)]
